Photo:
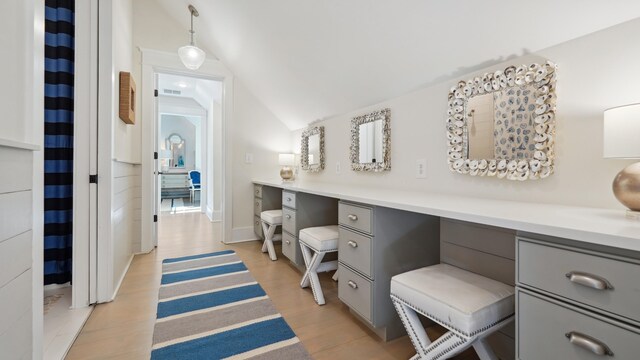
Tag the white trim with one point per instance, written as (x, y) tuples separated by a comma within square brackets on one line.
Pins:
[(153, 62), (18, 145), (124, 273), (214, 216), (106, 83), (34, 117), (84, 205), (243, 234)]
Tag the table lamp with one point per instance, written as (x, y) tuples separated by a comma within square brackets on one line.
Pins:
[(622, 141), (286, 161)]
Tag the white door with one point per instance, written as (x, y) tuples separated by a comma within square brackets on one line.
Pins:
[(156, 163)]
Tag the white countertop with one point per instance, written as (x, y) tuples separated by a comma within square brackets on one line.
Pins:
[(592, 225)]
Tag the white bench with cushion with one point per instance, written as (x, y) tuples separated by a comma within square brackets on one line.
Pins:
[(315, 242), (270, 219), (470, 306)]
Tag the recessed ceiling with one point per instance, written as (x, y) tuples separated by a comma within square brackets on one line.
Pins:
[(308, 60), (189, 87)]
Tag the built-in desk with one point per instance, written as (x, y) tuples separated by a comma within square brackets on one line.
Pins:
[(543, 249)]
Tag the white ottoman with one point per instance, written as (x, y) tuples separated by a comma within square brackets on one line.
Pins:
[(270, 219), (470, 306), (315, 242)]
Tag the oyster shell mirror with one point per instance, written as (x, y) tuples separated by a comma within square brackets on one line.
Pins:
[(503, 123), (312, 149), (371, 141)]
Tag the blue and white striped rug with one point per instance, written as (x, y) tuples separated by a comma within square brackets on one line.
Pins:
[(210, 307)]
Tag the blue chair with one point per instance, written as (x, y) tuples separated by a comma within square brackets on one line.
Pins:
[(194, 183)]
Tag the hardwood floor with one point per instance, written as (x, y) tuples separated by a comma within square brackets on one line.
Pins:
[(123, 328)]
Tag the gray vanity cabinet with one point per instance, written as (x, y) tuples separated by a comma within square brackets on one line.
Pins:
[(582, 303), (375, 244), (300, 211), (264, 198)]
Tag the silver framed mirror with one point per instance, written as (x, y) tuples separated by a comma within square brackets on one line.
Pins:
[(503, 123), (312, 149), (371, 141)]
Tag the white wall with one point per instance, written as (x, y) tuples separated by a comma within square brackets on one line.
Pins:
[(21, 189), (595, 72), (126, 151), (255, 129), (126, 138)]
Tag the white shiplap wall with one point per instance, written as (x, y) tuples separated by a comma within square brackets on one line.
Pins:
[(126, 209), (16, 253)]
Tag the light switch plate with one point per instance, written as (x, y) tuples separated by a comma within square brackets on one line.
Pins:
[(421, 168), (338, 167), (248, 158)]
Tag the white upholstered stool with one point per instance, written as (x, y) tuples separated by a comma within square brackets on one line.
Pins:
[(315, 242), (270, 221), (470, 306)]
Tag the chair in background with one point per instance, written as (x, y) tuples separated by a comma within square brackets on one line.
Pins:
[(194, 184)]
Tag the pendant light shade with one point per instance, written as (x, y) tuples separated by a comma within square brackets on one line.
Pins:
[(191, 56)]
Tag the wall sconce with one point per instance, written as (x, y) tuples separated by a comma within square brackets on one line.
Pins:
[(286, 161), (622, 140)]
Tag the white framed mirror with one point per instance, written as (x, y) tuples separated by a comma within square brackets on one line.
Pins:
[(176, 144), (503, 123), (371, 141), (312, 149)]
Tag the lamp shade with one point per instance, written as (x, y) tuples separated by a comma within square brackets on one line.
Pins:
[(622, 132), (286, 159), (192, 56)]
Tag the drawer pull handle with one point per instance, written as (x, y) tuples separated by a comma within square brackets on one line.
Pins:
[(353, 244), (257, 191), (289, 199), (352, 217), (288, 216), (588, 280), (352, 284), (587, 342), (257, 203), (288, 242)]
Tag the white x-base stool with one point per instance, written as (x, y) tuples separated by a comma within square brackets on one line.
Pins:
[(470, 306), (315, 242), (270, 219)]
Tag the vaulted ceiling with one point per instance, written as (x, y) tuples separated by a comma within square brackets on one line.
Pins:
[(311, 59)]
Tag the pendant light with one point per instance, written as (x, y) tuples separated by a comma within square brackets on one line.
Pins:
[(192, 56)]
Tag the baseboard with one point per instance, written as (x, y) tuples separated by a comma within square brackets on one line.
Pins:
[(56, 286), (214, 216), (243, 234), (124, 273)]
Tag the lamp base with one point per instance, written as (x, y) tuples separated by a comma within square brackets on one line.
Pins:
[(633, 215), (286, 173), (626, 187)]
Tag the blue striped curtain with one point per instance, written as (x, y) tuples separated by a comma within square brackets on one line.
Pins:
[(58, 140)]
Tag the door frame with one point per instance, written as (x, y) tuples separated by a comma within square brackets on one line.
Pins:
[(153, 62)]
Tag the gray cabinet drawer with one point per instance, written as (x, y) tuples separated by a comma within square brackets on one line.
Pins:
[(257, 206), (257, 227), (290, 247), (289, 221), (357, 217), (355, 250), (549, 268), (543, 329), (355, 291), (289, 199), (257, 191)]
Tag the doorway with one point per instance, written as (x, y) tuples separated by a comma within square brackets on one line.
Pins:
[(188, 139)]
